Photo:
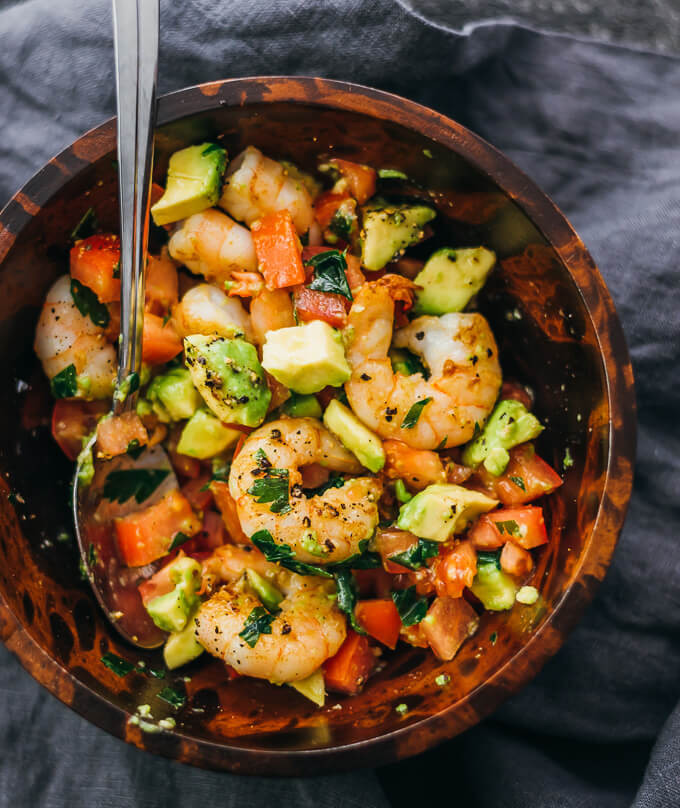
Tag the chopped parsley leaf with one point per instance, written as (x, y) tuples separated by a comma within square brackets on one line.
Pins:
[(509, 526), (120, 666), (330, 273), (417, 554), (86, 226), (411, 608), (489, 557), (519, 482), (88, 304), (493, 638), (172, 697), (414, 413), (347, 597), (123, 484), (135, 448), (272, 488), (178, 540), (65, 383), (259, 621)]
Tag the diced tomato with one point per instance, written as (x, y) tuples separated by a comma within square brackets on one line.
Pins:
[(116, 433), (361, 179), (278, 250), (456, 473), (413, 635), (161, 284), (227, 506), (160, 583), (269, 311), (523, 526), (447, 624), (526, 478), (380, 619), (312, 305), (279, 391), (349, 669), (214, 532), (147, 535), (93, 262), (246, 284), (326, 205), (355, 277), (373, 583), (516, 391), (389, 542), (417, 467), (198, 492), (314, 475), (160, 341), (184, 465), (74, 420), (516, 560), (454, 569), (484, 534)]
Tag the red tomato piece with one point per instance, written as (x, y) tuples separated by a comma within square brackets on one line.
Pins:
[(417, 467), (516, 391), (198, 492), (74, 420), (160, 341), (526, 478), (116, 433), (278, 250), (380, 619), (484, 534), (355, 277), (516, 560), (389, 542), (373, 583), (147, 535), (454, 568), (93, 262), (184, 465), (312, 305), (523, 526), (160, 583), (314, 475), (325, 207), (349, 669), (161, 288), (361, 179), (447, 624)]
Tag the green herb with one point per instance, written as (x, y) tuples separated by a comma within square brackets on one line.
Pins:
[(172, 697), (211, 147), (493, 638), (414, 413), (86, 226), (310, 543), (133, 381), (509, 526), (334, 481), (407, 363), (157, 673), (178, 540), (65, 383), (427, 153), (64, 536), (402, 709), (442, 443), (273, 488), (411, 608), (92, 555), (489, 557), (391, 174), (341, 224), (88, 304), (135, 448), (120, 666), (116, 269), (442, 680), (401, 492), (520, 482), (121, 485), (259, 621), (330, 273), (568, 461), (347, 597), (220, 469), (261, 459), (417, 554), (304, 238)]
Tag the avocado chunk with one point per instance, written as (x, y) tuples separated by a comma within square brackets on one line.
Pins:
[(205, 436), (306, 358), (450, 278), (172, 395), (440, 511), (495, 588), (365, 445), (312, 688), (230, 378), (181, 647), (299, 406), (389, 229), (193, 184), (171, 612), (268, 594), (509, 424)]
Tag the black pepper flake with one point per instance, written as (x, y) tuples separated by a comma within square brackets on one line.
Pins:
[(420, 335), (475, 359), (365, 377), (285, 629)]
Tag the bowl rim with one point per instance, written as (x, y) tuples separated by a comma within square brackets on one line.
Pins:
[(424, 733)]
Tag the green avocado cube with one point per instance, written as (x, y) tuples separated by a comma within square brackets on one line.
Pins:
[(450, 278), (389, 229), (193, 184), (229, 377), (298, 406), (306, 358), (495, 588), (365, 445), (205, 436), (440, 511), (268, 594), (181, 647), (509, 424), (172, 395), (171, 611), (312, 688)]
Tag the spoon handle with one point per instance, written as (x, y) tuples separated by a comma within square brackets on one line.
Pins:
[(135, 25)]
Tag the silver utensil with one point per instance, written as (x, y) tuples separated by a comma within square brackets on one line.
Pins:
[(136, 47)]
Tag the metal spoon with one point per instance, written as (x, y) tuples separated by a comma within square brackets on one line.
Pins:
[(136, 48)]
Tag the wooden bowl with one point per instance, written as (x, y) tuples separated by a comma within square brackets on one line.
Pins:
[(558, 331)]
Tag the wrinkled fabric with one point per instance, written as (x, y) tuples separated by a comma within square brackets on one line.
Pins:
[(597, 127)]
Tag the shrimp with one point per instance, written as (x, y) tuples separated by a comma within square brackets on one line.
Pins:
[(205, 309), (462, 357), (66, 337), (256, 185), (308, 630), (213, 245), (320, 529)]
